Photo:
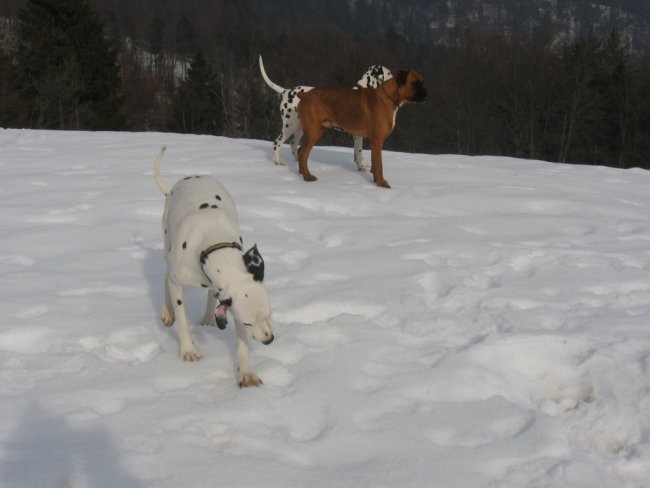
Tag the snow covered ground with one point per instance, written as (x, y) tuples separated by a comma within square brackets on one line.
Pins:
[(484, 323)]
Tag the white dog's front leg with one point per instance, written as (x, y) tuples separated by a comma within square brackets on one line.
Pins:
[(208, 317), (358, 154), (246, 375), (167, 309), (187, 350)]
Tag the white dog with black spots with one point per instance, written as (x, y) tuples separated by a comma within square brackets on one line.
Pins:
[(203, 248), (291, 128)]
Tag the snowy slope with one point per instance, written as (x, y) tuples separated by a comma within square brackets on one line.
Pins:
[(484, 323)]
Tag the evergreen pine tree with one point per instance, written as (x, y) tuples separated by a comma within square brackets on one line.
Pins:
[(66, 70), (618, 101), (157, 42), (196, 107)]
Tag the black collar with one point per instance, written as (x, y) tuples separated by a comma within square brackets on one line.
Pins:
[(215, 247)]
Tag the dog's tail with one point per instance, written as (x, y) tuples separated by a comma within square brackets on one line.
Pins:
[(273, 86), (156, 172)]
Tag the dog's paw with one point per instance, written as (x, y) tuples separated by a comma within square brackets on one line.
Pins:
[(190, 355), (249, 379), (362, 166), (280, 162), (383, 184), (209, 319), (168, 317)]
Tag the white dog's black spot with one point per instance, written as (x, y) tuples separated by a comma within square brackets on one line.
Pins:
[(217, 197), (204, 205), (185, 245), (179, 302), (214, 206)]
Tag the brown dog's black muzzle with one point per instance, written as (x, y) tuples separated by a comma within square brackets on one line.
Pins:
[(420, 92)]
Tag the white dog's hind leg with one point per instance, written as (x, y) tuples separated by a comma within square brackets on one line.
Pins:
[(187, 350), (358, 154), (276, 149), (295, 141), (246, 375)]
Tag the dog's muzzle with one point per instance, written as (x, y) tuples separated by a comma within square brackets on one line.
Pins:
[(268, 341), (420, 92)]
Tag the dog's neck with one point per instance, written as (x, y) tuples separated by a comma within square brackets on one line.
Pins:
[(224, 267), (394, 100)]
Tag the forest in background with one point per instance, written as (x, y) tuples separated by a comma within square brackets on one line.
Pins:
[(158, 65)]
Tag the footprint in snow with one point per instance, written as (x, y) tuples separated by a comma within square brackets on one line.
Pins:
[(477, 424), (131, 346), (277, 375), (382, 413), (27, 340), (366, 384), (324, 311), (32, 312), (434, 285)]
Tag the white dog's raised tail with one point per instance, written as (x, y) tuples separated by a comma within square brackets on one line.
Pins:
[(272, 85), (156, 172)]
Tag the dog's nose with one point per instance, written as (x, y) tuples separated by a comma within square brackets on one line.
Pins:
[(421, 95), (268, 341)]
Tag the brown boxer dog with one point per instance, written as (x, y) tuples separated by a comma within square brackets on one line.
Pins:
[(362, 112)]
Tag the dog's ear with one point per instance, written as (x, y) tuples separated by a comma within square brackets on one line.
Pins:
[(401, 76), (254, 263)]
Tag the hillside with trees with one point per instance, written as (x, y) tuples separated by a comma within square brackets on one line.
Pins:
[(192, 67)]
